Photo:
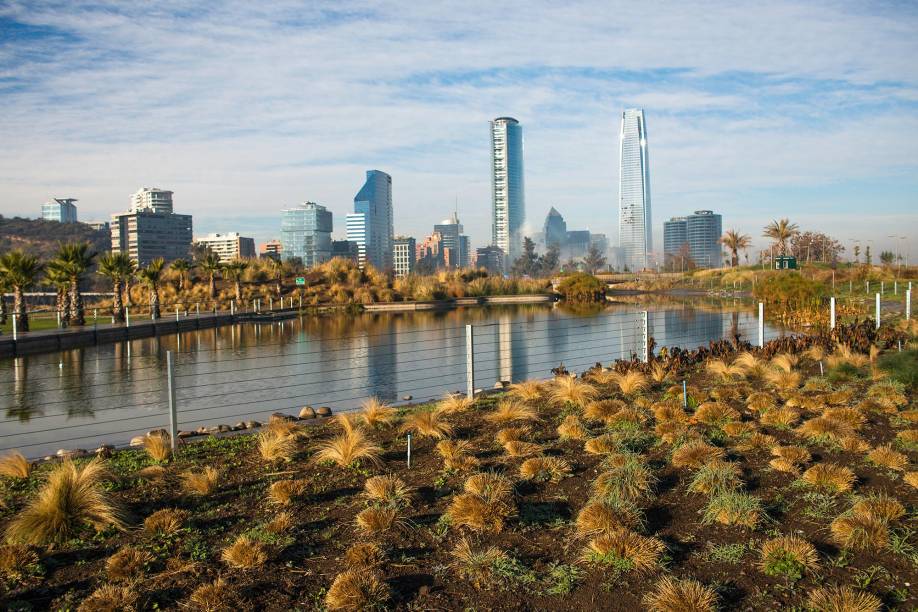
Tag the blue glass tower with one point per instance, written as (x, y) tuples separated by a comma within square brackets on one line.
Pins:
[(306, 233), (370, 225)]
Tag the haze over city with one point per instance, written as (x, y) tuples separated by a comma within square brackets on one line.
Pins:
[(754, 112)]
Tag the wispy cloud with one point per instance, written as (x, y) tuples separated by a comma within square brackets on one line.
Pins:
[(754, 109)]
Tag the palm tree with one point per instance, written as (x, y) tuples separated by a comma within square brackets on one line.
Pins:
[(150, 276), (234, 271), (4, 287), (735, 242), (781, 231), (77, 259), (117, 267), (277, 270), (20, 271), (211, 266), (58, 274), (181, 267)]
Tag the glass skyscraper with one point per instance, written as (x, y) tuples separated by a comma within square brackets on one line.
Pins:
[(634, 228), (370, 225), (701, 232), (508, 201), (306, 233), (62, 210)]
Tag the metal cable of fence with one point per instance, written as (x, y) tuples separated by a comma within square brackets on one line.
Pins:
[(62, 440), (58, 414), (91, 423), (580, 348)]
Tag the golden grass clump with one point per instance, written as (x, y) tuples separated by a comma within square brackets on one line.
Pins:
[(376, 520), (738, 429), (213, 596), (842, 599), (830, 477), (672, 431), (510, 412), (281, 523), (508, 434), (638, 552), (760, 401), (364, 555), (376, 413), (606, 517), (734, 508), (665, 412), (201, 483), (527, 390), (885, 456), (715, 413), (475, 565), (911, 478), (545, 469), (658, 373), (755, 442), (428, 423), (784, 381), (908, 438), (15, 465), (696, 453), (158, 446), (625, 478), (674, 595), (783, 417), (795, 454), (389, 489), (485, 505), (127, 564), (633, 416), (854, 418), (840, 397), (15, 561), (603, 410), (276, 445), (570, 390), (164, 522), (349, 447), (881, 506), (862, 531), (854, 444), (602, 445), (357, 590), (244, 553), (519, 448), (752, 365), (716, 477), (719, 367), (571, 428), (888, 394), (784, 362), (824, 428), (455, 403), (791, 550), (72, 497), (110, 597), (283, 492), (456, 455), (631, 382)]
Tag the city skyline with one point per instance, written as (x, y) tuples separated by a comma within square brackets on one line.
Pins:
[(774, 113)]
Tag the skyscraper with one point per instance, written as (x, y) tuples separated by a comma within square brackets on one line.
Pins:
[(404, 253), (508, 201), (454, 239), (370, 225), (634, 228), (555, 229), (700, 232), (150, 229), (306, 233), (62, 210)]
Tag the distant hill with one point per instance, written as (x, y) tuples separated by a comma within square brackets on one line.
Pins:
[(41, 237)]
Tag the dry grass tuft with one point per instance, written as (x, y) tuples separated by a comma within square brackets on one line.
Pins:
[(623, 545), (545, 469), (727, 372), (486, 504), (715, 414), (603, 410), (604, 517), (752, 365), (734, 508), (696, 453), (213, 596), (158, 446), (825, 429), (376, 413), (784, 381), (508, 434), (632, 382), (519, 448), (570, 390), (457, 455), (842, 599), (666, 412), (788, 551), (885, 456), (389, 489), (859, 531), (283, 492), (854, 418), (455, 403), (201, 483), (571, 428), (880, 506), (276, 445), (737, 429), (110, 597), (164, 522), (830, 477), (760, 401), (244, 553), (15, 465), (72, 497), (127, 564), (602, 445), (365, 556), (673, 595), (716, 477), (377, 520), (357, 590), (781, 418), (784, 362), (509, 412), (15, 561), (658, 373), (626, 477), (475, 565), (429, 423), (527, 390), (911, 478), (281, 523), (349, 447), (795, 454)]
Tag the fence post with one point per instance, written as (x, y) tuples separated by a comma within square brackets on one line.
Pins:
[(232, 307), (832, 313), (95, 317), (173, 417), (176, 312), (908, 304), (878, 311), (301, 302), (882, 287), (761, 324), (15, 328), (645, 357), (127, 316), (470, 362), (270, 304), (197, 309), (58, 318), (409, 450)]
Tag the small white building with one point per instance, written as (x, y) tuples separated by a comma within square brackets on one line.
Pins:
[(228, 246)]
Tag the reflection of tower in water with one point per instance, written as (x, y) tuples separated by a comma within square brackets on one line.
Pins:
[(505, 348), (688, 328)]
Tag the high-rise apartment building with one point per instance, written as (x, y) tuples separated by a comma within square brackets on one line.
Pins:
[(370, 225), (62, 210), (508, 202), (634, 227), (403, 256), (271, 248), (228, 246), (491, 258), (150, 229), (306, 233), (701, 232)]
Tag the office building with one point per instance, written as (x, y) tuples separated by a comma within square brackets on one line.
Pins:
[(228, 246), (306, 233), (455, 243), (345, 249), (62, 210), (370, 225), (404, 255), (634, 226), (271, 248), (150, 229), (491, 258), (698, 234), (508, 203), (100, 226), (554, 231)]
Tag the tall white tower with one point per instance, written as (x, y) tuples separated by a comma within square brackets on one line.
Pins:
[(508, 202), (634, 225)]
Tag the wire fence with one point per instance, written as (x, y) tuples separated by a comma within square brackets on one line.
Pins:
[(249, 371)]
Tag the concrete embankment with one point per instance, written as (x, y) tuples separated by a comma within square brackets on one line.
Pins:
[(494, 300)]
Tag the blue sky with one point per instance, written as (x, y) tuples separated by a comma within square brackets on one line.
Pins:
[(755, 110)]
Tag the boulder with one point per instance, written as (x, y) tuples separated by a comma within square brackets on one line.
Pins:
[(64, 453), (407, 398), (239, 426), (105, 450), (280, 416), (137, 440), (307, 412), (252, 424), (324, 411), (202, 431), (186, 434), (158, 432), (223, 428)]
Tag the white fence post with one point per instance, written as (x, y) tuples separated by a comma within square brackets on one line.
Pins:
[(644, 356), (232, 307), (761, 324), (470, 362), (878, 311), (176, 312), (127, 316), (173, 416), (908, 304), (832, 313), (15, 328)]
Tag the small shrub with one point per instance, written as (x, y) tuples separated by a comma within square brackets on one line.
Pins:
[(734, 508), (201, 483), (830, 477), (110, 597), (127, 564), (623, 548), (357, 590), (673, 595), (244, 553), (788, 556), (842, 599)]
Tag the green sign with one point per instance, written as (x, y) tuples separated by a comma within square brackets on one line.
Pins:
[(300, 280)]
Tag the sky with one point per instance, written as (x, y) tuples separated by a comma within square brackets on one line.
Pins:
[(756, 110)]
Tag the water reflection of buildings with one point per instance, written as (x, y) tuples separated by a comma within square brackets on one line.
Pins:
[(687, 328)]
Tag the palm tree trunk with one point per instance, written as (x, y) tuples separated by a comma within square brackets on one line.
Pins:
[(19, 310), (117, 303), (213, 286), (127, 293), (62, 306), (279, 287), (154, 302), (77, 311), (735, 257), (238, 292), (2, 308)]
